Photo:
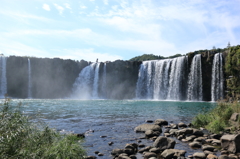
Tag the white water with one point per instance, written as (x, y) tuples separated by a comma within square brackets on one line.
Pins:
[(29, 80), (86, 85), (217, 78), (195, 80), (95, 81), (104, 81), (162, 79), (3, 77)]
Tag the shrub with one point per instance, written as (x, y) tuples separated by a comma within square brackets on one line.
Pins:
[(19, 138)]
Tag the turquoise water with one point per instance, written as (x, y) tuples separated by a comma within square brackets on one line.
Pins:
[(115, 119)]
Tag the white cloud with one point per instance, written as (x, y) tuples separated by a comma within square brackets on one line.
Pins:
[(46, 7), (88, 55), (105, 2), (67, 6), (83, 7), (59, 8)]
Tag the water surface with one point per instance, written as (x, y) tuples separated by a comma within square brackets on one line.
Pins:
[(115, 119)]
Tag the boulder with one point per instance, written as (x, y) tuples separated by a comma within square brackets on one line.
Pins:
[(164, 143), (173, 131), (148, 155), (167, 154), (151, 133), (208, 148), (200, 155), (234, 117), (145, 127), (146, 149), (231, 143), (182, 125), (117, 152), (223, 157), (195, 145), (160, 122), (155, 150), (211, 156), (197, 132), (184, 131)]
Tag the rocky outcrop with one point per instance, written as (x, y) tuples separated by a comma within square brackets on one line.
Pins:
[(231, 143), (51, 78), (145, 127)]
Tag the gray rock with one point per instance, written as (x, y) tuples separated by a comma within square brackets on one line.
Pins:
[(197, 132), (185, 131), (211, 156), (191, 138), (145, 127), (223, 157), (155, 150), (151, 133), (195, 144), (182, 125), (160, 122), (129, 151), (164, 143), (208, 148), (216, 136), (116, 152), (100, 154), (132, 146), (167, 134), (200, 155), (174, 126), (168, 154), (132, 157), (216, 142), (234, 117), (146, 149), (148, 155), (173, 131), (200, 139), (231, 143)]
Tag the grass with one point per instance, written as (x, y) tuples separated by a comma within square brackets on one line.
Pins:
[(217, 119), (19, 138)]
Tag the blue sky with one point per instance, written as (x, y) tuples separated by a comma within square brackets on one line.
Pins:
[(116, 29)]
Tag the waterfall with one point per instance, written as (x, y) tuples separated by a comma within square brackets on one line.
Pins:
[(177, 78), (104, 81), (195, 79), (3, 72), (217, 78), (162, 79), (29, 79), (86, 85), (95, 81)]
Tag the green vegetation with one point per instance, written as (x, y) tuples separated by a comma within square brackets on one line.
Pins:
[(146, 57), (218, 119), (232, 67), (19, 138)]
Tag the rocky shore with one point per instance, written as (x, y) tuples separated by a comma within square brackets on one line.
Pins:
[(165, 136)]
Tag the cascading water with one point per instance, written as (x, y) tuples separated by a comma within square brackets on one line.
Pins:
[(86, 85), (195, 80), (104, 81), (3, 83), (162, 79), (217, 78), (29, 79), (95, 81)]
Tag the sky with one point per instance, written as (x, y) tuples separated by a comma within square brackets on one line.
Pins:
[(116, 29)]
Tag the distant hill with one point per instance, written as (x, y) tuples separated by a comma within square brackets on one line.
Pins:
[(147, 57)]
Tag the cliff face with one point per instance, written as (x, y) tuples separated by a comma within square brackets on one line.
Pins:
[(51, 78), (121, 78)]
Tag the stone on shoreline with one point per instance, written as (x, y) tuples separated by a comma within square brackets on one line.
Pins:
[(145, 127), (164, 143), (160, 122), (231, 143), (200, 155)]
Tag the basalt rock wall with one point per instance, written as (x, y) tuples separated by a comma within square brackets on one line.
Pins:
[(51, 78)]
